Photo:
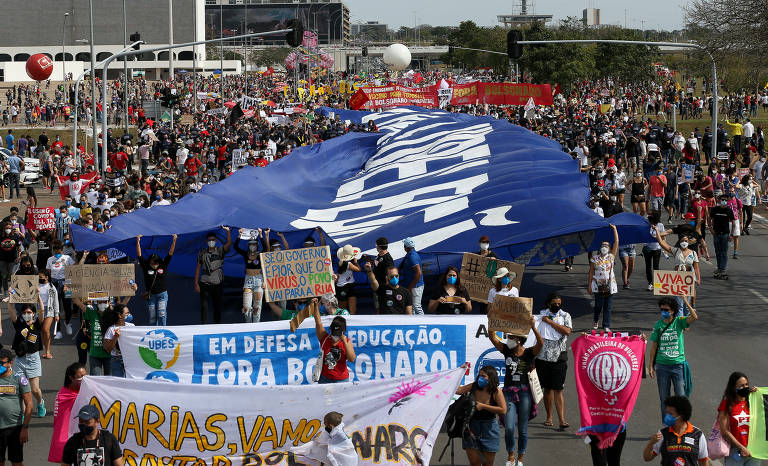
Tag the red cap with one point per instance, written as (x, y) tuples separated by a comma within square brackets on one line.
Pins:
[(484, 239), (611, 163), (690, 216)]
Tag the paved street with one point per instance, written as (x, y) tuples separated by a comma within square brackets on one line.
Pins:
[(730, 335)]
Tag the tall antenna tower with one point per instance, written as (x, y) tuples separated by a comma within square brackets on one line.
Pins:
[(520, 15)]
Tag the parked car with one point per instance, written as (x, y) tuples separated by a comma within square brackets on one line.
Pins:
[(31, 173)]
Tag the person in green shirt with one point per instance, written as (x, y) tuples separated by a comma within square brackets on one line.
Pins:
[(667, 349), (15, 409)]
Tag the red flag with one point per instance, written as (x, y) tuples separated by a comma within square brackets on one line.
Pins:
[(85, 178)]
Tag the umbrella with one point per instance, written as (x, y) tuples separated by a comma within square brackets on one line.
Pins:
[(268, 103), (229, 104)]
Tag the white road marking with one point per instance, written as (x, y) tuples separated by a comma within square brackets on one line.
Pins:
[(760, 296)]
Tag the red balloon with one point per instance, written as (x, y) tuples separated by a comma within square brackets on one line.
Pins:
[(39, 67)]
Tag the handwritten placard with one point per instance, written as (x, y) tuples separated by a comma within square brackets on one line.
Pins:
[(477, 274), (41, 218), (113, 279), (673, 283), (510, 315), (24, 289), (297, 273)]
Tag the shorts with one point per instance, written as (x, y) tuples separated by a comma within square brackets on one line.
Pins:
[(255, 283), (485, 436), (29, 365), (736, 230), (638, 198), (620, 191), (345, 292), (49, 313), (627, 251), (9, 440), (552, 374)]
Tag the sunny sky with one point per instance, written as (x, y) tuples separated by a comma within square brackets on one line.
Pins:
[(651, 14)]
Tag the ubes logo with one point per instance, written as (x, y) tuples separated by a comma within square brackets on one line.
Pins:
[(159, 349), (610, 373)]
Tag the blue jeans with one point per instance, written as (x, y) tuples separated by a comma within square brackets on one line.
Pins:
[(324, 379), (118, 368), (721, 251), (156, 307), (100, 366), (517, 412), (418, 293), (604, 304), (252, 298), (667, 374), (13, 182)]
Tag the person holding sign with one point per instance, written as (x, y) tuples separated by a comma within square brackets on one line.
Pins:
[(155, 271), (336, 348), (502, 285), (667, 349), (26, 343), (451, 297), (254, 280), (733, 419), (517, 391), (49, 297), (686, 260), (602, 280), (393, 298)]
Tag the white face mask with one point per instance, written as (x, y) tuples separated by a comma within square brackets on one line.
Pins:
[(484, 246), (604, 250), (7, 231), (684, 244), (27, 317), (511, 343), (253, 247), (102, 306), (211, 244)]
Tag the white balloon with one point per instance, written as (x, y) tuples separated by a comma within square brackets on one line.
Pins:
[(397, 56)]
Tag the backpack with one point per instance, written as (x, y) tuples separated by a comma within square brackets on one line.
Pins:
[(458, 416)]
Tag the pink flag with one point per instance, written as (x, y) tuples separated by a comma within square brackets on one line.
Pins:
[(608, 374)]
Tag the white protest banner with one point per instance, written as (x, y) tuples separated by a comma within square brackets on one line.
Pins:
[(723, 156), (248, 103), (248, 234), (477, 274), (114, 179), (41, 218), (673, 283), (510, 315), (114, 279), (297, 273), (688, 172), (392, 422), (217, 111), (268, 353), (239, 157)]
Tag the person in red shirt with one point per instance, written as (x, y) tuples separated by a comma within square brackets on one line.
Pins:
[(657, 183), (336, 347), (119, 161), (192, 165), (733, 416)]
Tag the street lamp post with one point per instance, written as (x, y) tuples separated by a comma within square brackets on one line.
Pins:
[(63, 54), (93, 90), (172, 74), (125, 68), (155, 49), (221, 50)]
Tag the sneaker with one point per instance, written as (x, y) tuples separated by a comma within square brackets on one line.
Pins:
[(736, 256), (41, 409), (68, 329), (510, 463), (58, 336), (594, 327), (650, 287), (607, 329)]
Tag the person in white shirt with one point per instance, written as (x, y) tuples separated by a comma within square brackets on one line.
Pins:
[(56, 266), (748, 130), (120, 316), (181, 157), (503, 285)]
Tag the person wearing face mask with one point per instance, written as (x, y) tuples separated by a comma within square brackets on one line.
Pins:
[(381, 263), (333, 446), (16, 404), (602, 280), (679, 442), (749, 194), (451, 297), (686, 260), (209, 275), (336, 347), (114, 320), (345, 281), (482, 445), (49, 298), (10, 250), (552, 361), (519, 361), (155, 271), (722, 223), (667, 349), (254, 280), (502, 285), (658, 185), (27, 343), (637, 188), (92, 328), (412, 276), (62, 410), (733, 419), (485, 247), (91, 445), (56, 267), (393, 298), (652, 251)]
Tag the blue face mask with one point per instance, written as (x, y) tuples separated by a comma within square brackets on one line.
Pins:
[(669, 420), (3, 370), (505, 281), (451, 280), (58, 255), (322, 309), (394, 281), (482, 382), (300, 307), (666, 314), (693, 223), (129, 318), (68, 203)]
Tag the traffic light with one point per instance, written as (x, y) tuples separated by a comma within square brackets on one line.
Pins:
[(135, 37), (514, 50), (365, 51), (450, 50), (295, 37)]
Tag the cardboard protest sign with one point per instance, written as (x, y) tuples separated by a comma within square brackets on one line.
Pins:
[(187, 120), (510, 315), (114, 279), (297, 273), (41, 218), (239, 157), (477, 274), (673, 283), (303, 314), (24, 289)]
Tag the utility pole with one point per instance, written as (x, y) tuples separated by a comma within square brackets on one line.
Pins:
[(125, 67), (170, 55)]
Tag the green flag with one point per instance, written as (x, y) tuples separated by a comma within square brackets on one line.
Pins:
[(758, 431), (165, 116)]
